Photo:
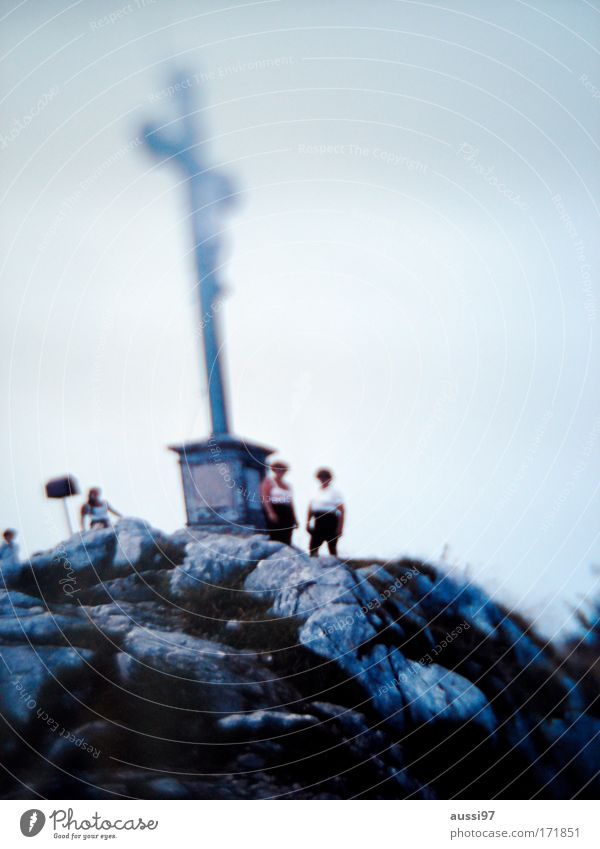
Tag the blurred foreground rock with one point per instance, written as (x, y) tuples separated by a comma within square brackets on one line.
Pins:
[(197, 665)]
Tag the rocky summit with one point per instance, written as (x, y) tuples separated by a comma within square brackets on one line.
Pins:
[(137, 664)]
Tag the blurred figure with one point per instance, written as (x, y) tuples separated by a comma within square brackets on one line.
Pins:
[(278, 501), (96, 509), (9, 547), (326, 512)]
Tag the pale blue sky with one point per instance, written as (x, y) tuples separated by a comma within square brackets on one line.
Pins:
[(412, 267)]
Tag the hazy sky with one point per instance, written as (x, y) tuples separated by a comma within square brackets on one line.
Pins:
[(413, 267)]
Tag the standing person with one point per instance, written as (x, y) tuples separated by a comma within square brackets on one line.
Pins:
[(278, 501), (97, 510), (326, 513)]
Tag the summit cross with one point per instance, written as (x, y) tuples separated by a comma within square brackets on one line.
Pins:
[(221, 476), (209, 195)]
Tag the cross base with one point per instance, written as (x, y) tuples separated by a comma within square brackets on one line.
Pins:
[(221, 483)]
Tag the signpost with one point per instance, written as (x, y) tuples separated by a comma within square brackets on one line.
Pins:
[(63, 488)]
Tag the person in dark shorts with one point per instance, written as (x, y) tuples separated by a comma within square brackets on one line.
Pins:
[(325, 514), (278, 502)]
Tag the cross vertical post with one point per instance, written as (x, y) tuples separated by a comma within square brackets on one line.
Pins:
[(209, 194), (221, 476)]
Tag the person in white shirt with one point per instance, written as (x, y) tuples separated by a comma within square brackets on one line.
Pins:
[(326, 514), (96, 509), (278, 502)]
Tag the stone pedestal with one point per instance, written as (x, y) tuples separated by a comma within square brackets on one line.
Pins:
[(221, 483)]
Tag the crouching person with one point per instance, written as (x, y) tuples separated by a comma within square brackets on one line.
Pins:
[(96, 511)]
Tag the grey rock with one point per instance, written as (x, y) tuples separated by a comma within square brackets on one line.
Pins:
[(45, 629), (168, 788), (32, 678), (339, 626), (574, 747), (91, 558), (267, 723), (218, 560), (11, 603), (122, 636), (205, 678)]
